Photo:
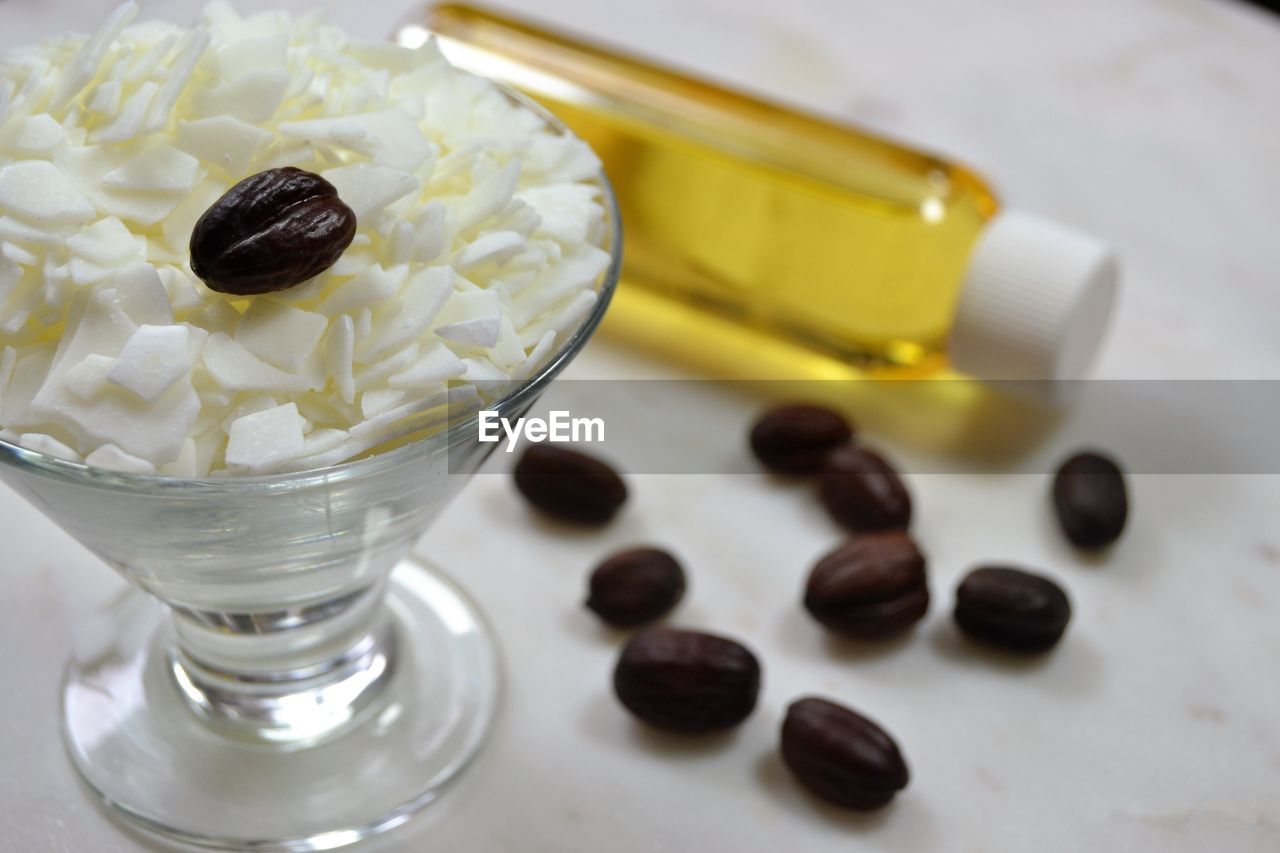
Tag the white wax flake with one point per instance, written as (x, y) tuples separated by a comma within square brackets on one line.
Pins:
[(39, 192), (21, 304), (12, 229), (58, 288), (8, 360), (339, 352), (507, 353), (209, 445), (561, 158), (84, 66), (236, 369), (320, 440), (48, 445), (308, 291), (10, 275), (376, 374), (81, 272), (279, 334), (420, 302), (252, 97), (568, 211), (151, 431), (151, 58), (187, 465), (385, 54), (162, 169), (255, 404), (489, 196), (263, 440), (142, 296), (561, 319), (368, 189), (355, 260), (537, 356), (106, 98), (190, 51), (37, 135), (19, 255), (495, 248), (471, 319), (373, 286), (87, 166), (214, 316), (400, 246), (432, 233), (390, 138), (374, 403), (283, 153), (435, 365), (182, 289), (481, 372), (108, 243), (224, 141), (26, 379), (152, 360), (378, 425), (178, 225), (456, 161), (520, 218), (112, 458), (236, 58), (101, 327), (128, 123), (574, 273), (88, 379)]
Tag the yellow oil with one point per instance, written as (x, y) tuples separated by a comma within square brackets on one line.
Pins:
[(801, 248)]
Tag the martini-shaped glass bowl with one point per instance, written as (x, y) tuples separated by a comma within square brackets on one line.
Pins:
[(281, 675)]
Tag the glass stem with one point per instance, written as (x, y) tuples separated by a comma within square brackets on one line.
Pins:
[(289, 676)]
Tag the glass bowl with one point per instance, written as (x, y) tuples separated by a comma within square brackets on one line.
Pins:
[(281, 674)]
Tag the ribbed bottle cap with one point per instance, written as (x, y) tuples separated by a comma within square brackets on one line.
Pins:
[(1035, 303)]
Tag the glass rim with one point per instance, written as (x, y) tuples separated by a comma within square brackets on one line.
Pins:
[(58, 468)]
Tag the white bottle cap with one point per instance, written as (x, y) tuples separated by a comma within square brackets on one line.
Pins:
[(1035, 303)]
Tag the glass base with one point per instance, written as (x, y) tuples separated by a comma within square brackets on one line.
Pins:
[(139, 745)]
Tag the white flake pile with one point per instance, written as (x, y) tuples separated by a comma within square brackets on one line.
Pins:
[(478, 247)]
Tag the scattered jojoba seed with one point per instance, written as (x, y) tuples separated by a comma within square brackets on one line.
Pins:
[(687, 681), (795, 439), (569, 485), (841, 756), (635, 586)]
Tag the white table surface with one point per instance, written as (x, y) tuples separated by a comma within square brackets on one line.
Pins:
[(1154, 727)]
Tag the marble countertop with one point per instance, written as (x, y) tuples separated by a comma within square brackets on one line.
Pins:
[(1155, 727)]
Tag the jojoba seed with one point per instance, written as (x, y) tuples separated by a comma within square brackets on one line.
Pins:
[(871, 587), (635, 586), (569, 485), (1091, 500), (687, 681), (1011, 608), (271, 231), (841, 756), (863, 492), (795, 439)]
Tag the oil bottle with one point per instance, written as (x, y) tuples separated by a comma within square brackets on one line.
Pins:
[(763, 243)]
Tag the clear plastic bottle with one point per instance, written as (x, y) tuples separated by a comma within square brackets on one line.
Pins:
[(764, 243)]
